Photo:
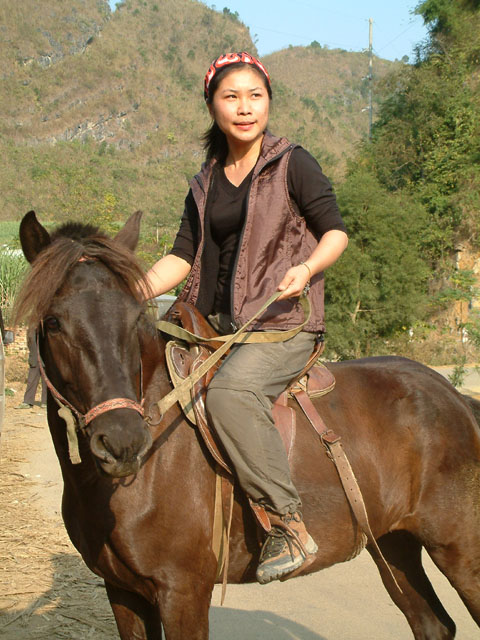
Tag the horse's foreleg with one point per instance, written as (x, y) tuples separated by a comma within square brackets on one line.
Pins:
[(184, 606), (418, 602), (136, 618)]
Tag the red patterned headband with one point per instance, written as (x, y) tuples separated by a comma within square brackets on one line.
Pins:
[(231, 58)]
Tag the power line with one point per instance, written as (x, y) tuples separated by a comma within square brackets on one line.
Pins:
[(370, 77), (399, 36), (294, 35), (327, 42), (301, 39)]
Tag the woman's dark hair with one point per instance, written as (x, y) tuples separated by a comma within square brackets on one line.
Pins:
[(214, 140)]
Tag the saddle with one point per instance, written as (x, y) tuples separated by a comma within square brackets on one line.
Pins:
[(182, 359)]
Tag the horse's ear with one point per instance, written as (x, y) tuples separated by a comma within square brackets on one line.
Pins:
[(128, 235), (33, 237)]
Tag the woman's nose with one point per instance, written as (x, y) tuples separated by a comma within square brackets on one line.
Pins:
[(244, 106)]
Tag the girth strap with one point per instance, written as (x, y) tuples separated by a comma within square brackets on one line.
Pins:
[(349, 483)]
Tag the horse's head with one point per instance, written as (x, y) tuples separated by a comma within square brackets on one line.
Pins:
[(81, 294)]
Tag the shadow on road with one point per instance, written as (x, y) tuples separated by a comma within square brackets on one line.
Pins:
[(249, 625), (75, 605)]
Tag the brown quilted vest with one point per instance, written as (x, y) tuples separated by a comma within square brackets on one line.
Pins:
[(274, 238)]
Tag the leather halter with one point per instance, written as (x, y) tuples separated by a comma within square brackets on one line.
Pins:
[(84, 419)]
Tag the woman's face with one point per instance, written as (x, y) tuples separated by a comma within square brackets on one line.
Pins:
[(240, 107)]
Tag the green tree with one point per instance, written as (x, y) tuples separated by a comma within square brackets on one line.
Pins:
[(426, 141), (379, 286)]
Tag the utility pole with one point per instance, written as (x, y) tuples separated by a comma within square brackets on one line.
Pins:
[(370, 77)]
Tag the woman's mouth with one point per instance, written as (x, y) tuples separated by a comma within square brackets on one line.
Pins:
[(244, 125)]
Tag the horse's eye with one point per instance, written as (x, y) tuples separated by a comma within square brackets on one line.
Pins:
[(51, 323)]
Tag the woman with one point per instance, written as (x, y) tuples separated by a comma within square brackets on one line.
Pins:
[(259, 217)]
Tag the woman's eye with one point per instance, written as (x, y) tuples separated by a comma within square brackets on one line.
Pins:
[(51, 323)]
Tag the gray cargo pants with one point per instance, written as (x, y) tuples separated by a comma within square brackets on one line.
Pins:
[(239, 405)]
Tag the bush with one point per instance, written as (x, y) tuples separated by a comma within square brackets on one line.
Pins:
[(379, 286), (13, 267)]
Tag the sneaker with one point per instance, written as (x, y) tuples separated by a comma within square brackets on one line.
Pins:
[(24, 405), (285, 549)]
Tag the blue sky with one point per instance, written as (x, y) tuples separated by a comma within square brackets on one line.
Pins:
[(275, 24)]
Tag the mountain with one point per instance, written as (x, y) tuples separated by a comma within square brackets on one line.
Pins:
[(139, 72), (102, 112), (43, 33), (330, 91)]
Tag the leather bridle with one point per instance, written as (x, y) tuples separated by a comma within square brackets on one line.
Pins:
[(84, 419)]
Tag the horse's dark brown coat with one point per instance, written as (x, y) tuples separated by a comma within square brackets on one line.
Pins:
[(412, 440)]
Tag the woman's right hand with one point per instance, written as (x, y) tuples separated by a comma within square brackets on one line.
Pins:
[(294, 281)]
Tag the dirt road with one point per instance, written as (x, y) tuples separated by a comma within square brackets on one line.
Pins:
[(47, 592)]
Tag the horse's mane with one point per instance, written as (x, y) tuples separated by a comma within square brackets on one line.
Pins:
[(69, 243)]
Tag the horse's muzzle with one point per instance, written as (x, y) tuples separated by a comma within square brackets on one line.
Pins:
[(119, 450)]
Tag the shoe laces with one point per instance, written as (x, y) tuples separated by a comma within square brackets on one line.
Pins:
[(279, 540), (276, 543)]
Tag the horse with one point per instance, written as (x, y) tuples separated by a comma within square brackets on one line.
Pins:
[(139, 503)]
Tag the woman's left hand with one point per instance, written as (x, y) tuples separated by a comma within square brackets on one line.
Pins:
[(294, 282)]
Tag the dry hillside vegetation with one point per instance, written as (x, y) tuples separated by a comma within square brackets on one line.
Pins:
[(129, 83)]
